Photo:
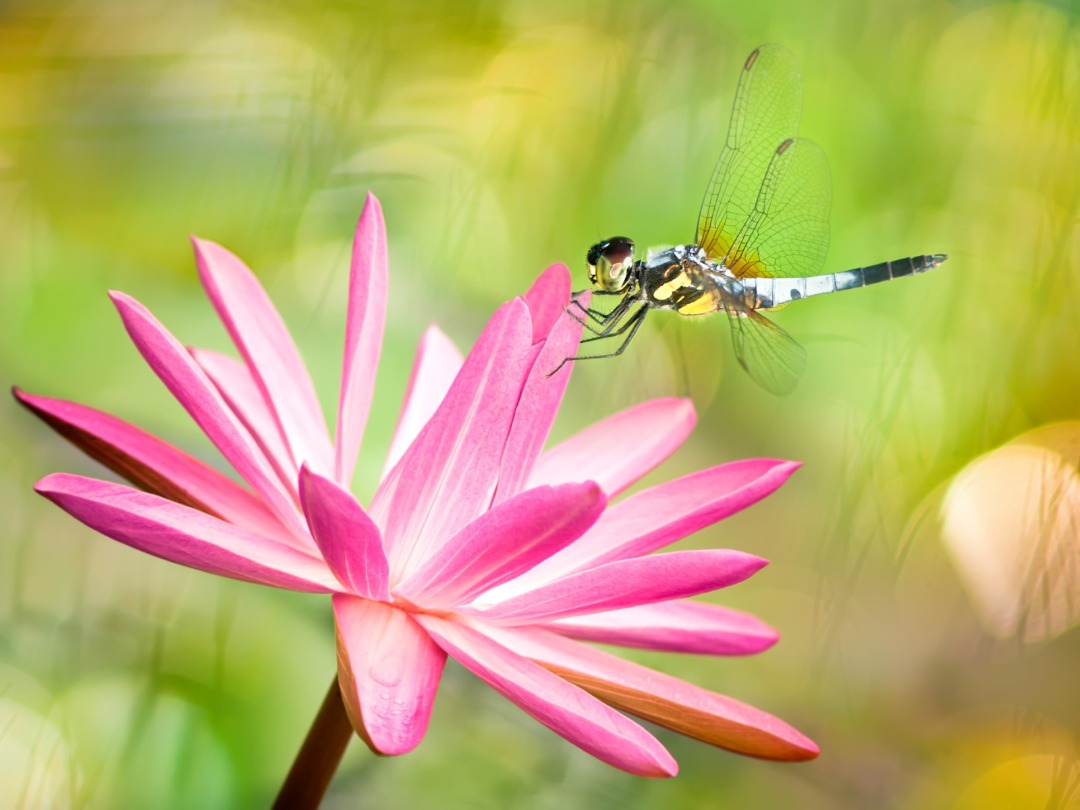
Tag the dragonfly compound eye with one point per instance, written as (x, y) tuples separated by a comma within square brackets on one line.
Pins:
[(610, 263)]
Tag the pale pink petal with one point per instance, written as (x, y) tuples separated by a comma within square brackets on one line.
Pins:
[(183, 535), (363, 336), (235, 383), (154, 465), (679, 626), (547, 299), (389, 671), (660, 698), (447, 476), (626, 583), (657, 517), (268, 349), (562, 707), (193, 389), (437, 363), (619, 450), (348, 539), (503, 542), (539, 403)]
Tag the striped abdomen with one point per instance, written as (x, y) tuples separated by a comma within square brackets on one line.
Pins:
[(763, 293)]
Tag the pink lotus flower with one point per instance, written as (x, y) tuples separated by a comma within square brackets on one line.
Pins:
[(476, 545)]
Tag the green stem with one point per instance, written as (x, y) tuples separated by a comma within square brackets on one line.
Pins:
[(319, 756)]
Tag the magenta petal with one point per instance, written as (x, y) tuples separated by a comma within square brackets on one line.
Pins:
[(235, 383), (547, 299), (678, 626), (657, 517), (539, 403), (662, 699), (183, 535), (437, 363), (348, 539), (619, 450), (565, 709), (154, 465), (268, 349), (626, 583), (389, 671), (363, 336), (191, 387), (447, 476), (503, 542)]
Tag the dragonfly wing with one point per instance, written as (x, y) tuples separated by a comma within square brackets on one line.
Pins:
[(766, 113), (787, 233), (770, 355)]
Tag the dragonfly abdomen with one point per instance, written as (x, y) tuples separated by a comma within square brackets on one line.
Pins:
[(773, 292)]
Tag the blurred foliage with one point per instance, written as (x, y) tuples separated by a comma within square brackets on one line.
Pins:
[(501, 137)]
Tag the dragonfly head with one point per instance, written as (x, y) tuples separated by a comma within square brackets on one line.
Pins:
[(610, 263)]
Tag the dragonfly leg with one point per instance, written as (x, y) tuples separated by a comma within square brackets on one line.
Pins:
[(575, 304), (590, 314), (606, 320), (615, 328), (595, 315), (633, 323)]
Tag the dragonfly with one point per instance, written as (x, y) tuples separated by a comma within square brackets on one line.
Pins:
[(761, 239)]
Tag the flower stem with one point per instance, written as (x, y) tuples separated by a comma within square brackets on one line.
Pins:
[(319, 756)]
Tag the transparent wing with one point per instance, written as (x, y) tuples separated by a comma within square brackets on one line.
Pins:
[(787, 233), (770, 355), (766, 209), (768, 103)]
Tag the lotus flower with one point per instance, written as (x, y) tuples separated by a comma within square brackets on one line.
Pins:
[(476, 545)]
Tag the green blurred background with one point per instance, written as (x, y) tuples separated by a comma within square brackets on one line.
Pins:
[(502, 137)]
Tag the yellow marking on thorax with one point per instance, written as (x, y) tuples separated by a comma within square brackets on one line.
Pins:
[(709, 302), (668, 288)]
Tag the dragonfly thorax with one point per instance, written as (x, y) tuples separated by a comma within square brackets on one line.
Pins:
[(680, 278)]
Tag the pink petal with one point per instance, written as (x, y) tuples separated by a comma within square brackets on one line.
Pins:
[(389, 671), (154, 465), (680, 626), (437, 363), (447, 476), (626, 583), (191, 387), (183, 535), (547, 299), (660, 698), (269, 351), (619, 450), (539, 403), (235, 383), (503, 542), (562, 707), (363, 336), (348, 539), (656, 517)]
